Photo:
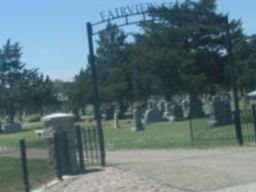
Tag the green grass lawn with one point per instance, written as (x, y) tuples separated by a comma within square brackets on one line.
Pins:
[(205, 134), (11, 175), (10, 168), (167, 135), (28, 133), (164, 135)]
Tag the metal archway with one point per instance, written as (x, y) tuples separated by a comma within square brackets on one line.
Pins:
[(145, 17)]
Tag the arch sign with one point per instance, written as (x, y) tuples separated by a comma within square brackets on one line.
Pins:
[(129, 10)]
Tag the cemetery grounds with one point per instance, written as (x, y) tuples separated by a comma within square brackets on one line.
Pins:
[(162, 157)]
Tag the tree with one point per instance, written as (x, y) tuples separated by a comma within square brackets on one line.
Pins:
[(14, 79), (43, 95), (112, 66), (188, 47), (245, 52), (79, 92)]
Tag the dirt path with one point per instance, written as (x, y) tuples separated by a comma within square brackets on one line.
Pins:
[(32, 153), (220, 170)]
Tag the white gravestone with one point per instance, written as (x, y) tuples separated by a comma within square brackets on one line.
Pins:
[(137, 124)]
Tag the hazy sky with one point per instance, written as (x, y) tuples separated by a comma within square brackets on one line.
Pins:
[(53, 34)]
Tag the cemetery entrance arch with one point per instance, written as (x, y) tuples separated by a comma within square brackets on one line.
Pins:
[(124, 16)]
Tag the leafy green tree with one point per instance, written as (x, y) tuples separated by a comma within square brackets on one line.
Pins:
[(43, 96), (187, 43), (79, 92), (14, 79), (113, 68), (245, 51)]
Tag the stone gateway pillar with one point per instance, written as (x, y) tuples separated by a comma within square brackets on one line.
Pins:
[(61, 125)]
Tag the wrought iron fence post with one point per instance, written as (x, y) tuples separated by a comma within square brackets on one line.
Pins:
[(254, 120), (191, 131), (96, 94), (238, 127), (80, 148), (66, 158), (24, 165)]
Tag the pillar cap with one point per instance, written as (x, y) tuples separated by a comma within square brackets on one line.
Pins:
[(58, 116)]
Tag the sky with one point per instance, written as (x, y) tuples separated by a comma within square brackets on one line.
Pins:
[(53, 32)]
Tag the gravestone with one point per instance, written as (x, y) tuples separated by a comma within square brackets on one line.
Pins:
[(62, 125), (167, 106), (11, 127), (1, 129), (161, 106), (167, 110), (109, 112), (137, 124), (116, 121), (153, 115), (176, 112), (195, 108), (185, 104), (221, 113)]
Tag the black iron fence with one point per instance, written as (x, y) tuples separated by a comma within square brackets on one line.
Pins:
[(32, 162), (38, 160), (205, 132), (91, 146), (24, 164), (10, 168)]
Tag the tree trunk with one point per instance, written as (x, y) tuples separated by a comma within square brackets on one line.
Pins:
[(121, 108)]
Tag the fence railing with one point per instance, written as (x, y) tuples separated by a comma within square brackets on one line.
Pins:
[(204, 132)]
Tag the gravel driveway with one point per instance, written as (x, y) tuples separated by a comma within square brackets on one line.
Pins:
[(211, 170), (111, 180)]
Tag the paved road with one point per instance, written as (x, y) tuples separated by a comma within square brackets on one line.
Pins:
[(188, 170), (32, 153), (220, 170)]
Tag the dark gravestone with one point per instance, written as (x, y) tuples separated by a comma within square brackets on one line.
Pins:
[(153, 115), (195, 108), (221, 113), (177, 112), (11, 127), (109, 112), (1, 127)]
